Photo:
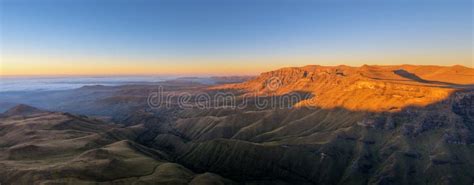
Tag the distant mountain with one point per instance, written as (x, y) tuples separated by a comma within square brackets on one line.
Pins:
[(212, 80), (22, 110)]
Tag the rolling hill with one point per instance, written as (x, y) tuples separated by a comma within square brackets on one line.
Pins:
[(41, 147)]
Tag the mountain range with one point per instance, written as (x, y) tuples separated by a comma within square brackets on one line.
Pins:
[(355, 125)]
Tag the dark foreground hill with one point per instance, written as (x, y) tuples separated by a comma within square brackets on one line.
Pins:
[(40, 147)]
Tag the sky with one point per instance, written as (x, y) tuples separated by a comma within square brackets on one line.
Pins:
[(228, 37)]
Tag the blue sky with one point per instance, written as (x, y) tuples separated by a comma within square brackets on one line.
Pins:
[(182, 32)]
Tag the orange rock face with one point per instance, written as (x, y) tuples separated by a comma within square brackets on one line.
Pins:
[(366, 88)]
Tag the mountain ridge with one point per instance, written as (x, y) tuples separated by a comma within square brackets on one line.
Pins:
[(369, 88)]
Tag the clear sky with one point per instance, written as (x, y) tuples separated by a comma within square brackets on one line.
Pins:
[(224, 37)]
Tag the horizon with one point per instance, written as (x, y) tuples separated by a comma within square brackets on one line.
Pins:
[(205, 75), (226, 38)]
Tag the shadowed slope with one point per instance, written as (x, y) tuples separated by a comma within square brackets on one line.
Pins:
[(416, 145)]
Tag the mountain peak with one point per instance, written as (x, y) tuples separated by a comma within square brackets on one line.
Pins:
[(22, 110)]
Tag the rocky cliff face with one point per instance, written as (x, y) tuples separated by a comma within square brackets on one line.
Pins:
[(369, 88)]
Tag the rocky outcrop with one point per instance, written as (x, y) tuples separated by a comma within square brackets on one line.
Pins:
[(366, 88)]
